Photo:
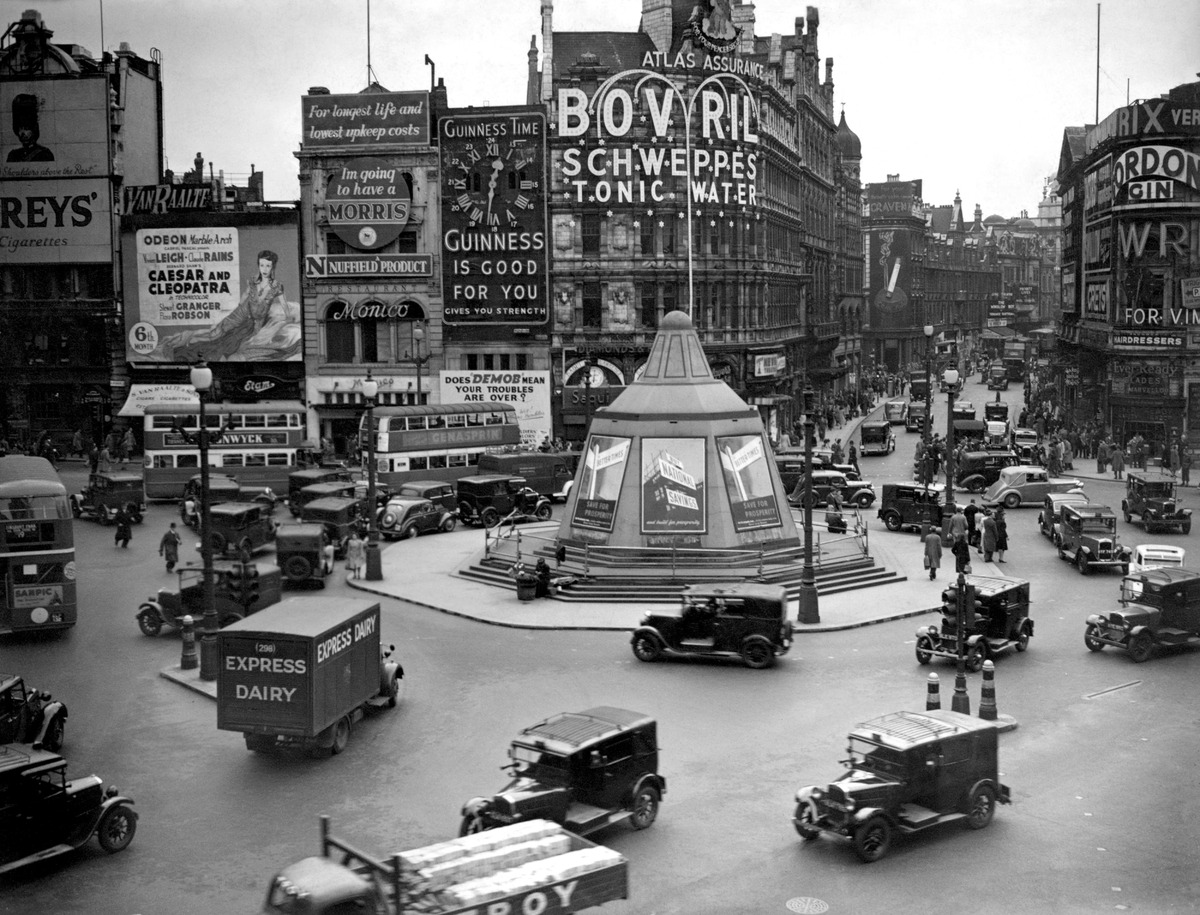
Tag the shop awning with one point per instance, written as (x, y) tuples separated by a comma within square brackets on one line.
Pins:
[(144, 395)]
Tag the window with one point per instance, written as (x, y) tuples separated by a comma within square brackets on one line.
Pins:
[(592, 307), (370, 339), (339, 341), (648, 237), (649, 305), (669, 302), (591, 234), (668, 237)]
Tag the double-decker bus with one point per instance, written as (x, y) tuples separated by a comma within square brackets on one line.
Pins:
[(438, 441), (37, 547), (260, 444)]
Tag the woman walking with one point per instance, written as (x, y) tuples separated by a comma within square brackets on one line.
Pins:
[(356, 555), (988, 538), (1001, 535)]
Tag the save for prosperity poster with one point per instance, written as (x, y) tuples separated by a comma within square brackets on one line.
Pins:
[(604, 462), (752, 501)]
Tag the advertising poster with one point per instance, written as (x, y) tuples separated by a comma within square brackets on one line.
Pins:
[(226, 293), (526, 392), (748, 483), (604, 464), (890, 278), (673, 484), (367, 203), (54, 129), (364, 119), (495, 256), (63, 221)]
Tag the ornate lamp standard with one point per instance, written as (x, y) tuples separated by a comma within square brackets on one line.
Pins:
[(809, 609), (418, 337), (951, 378), (370, 388), (927, 427)]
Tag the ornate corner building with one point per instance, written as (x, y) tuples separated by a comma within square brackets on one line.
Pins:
[(1129, 334)]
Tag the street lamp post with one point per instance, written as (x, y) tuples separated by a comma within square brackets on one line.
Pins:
[(809, 609), (961, 702), (927, 427), (370, 389), (951, 379), (418, 337)]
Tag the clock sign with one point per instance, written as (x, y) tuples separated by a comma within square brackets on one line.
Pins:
[(494, 217)]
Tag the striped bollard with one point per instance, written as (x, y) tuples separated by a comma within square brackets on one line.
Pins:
[(987, 701), (189, 659), (933, 696)]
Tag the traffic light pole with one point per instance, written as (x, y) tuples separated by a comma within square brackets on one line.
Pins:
[(961, 702)]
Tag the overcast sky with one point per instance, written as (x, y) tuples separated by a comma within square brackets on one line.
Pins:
[(968, 95)]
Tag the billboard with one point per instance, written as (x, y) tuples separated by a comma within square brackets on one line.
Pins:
[(364, 119), (673, 486), (494, 247), (526, 392), (604, 464), (227, 291), (748, 482), (367, 203), (51, 128), (890, 279), (60, 221)]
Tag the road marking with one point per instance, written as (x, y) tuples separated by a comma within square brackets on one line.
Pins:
[(1113, 689)]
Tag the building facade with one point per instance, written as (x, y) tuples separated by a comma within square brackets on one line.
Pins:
[(1129, 335)]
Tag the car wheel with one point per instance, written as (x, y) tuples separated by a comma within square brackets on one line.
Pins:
[(1012, 500), (892, 521), (55, 733), (389, 520), (543, 512), (976, 486), (297, 568), (116, 828), (489, 516), (980, 807), (873, 839), (341, 736), (410, 532), (924, 652), (472, 824), (449, 524), (645, 807), (647, 648), (757, 654), (863, 500), (1140, 647), (1081, 562), (1023, 638), (149, 622), (976, 656), (218, 543), (804, 822), (1090, 638)]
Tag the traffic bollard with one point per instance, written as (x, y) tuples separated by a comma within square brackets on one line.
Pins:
[(189, 660), (987, 695), (933, 696)]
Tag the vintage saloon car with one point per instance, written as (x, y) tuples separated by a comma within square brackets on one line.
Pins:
[(895, 412), (439, 492), (1151, 496), (975, 471), (30, 715), (997, 377), (996, 411), (408, 516), (1050, 517), (583, 770), (906, 772), (1159, 607), (739, 619), (44, 814), (995, 618), (876, 437), (108, 493), (240, 528), (239, 589), (909, 505), (300, 553), (1087, 537), (1025, 484), (1025, 445), (826, 482), (489, 498)]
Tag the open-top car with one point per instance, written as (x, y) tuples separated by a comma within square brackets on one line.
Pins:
[(909, 505), (1088, 537), (239, 589), (29, 715), (1159, 607), (1050, 517), (583, 770), (408, 516), (995, 618), (108, 493), (876, 437), (44, 814), (1151, 496), (744, 620), (906, 772), (1026, 484)]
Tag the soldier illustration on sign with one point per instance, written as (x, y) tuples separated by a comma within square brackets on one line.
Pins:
[(25, 126)]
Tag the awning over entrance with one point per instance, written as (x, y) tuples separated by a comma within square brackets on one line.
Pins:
[(144, 395)]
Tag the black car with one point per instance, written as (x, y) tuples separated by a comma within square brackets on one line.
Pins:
[(909, 505), (826, 482), (907, 772), (1159, 608), (583, 770), (1151, 496), (491, 498), (995, 618), (43, 814), (106, 494), (439, 492), (1087, 536), (29, 715), (975, 471), (740, 619)]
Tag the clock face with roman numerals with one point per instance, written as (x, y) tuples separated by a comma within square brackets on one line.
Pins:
[(492, 181)]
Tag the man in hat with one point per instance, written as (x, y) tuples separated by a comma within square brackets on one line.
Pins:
[(25, 126)]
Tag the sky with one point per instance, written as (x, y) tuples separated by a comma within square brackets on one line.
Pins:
[(971, 96)]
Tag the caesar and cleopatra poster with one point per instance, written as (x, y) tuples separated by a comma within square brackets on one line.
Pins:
[(673, 486), (604, 463), (752, 501)]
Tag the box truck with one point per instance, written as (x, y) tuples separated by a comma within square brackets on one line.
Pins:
[(550, 473), (303, 672)]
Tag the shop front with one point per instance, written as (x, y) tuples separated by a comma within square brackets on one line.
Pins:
[(1146, 399), (335, 405)]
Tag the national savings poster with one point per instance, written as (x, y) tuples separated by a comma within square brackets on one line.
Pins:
[(748, 483), (604, 463), (673, 486)]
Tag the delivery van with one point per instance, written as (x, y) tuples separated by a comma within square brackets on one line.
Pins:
[(550, 473)]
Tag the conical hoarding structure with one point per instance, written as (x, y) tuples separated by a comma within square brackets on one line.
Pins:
[(677, 460)]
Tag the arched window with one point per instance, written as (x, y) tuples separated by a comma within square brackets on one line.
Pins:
[(339, 335)]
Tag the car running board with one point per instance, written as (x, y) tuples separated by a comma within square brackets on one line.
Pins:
[(40, 856), (584, 818), (914, 817)]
